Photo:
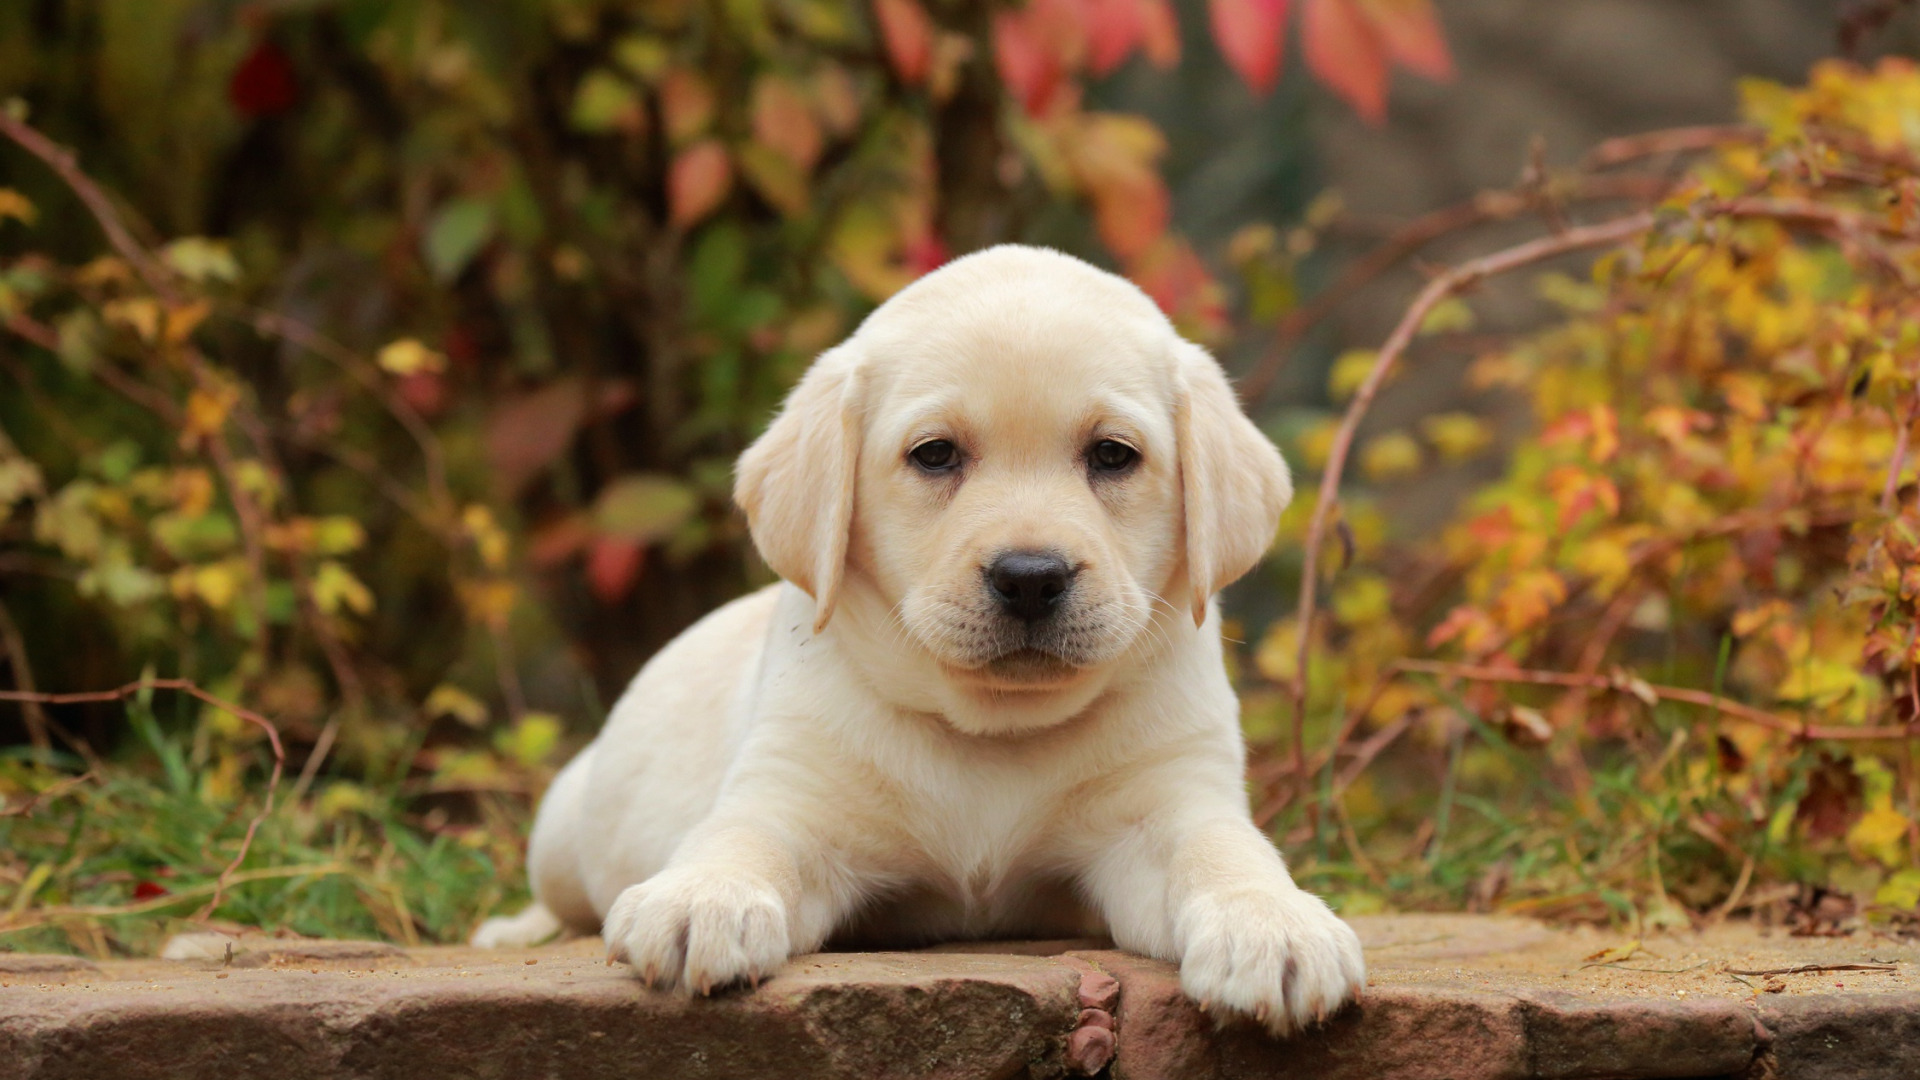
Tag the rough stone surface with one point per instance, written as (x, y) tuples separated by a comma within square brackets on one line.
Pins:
[(41, 964), (1453, 997), (1833, 1038)]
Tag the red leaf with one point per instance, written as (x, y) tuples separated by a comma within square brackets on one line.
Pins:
[(908, 35), (1113, 157), (529, 432), (1029, 67), (1177, 280), (784, 123), (697, 182), (1345, 52), (263, 83), (613, 565), (925, 253), (1252, 35), (686, 104), (426, 391), (1412, 36), (557, 541), (147, 890), (1159, 33), (1114, 27)]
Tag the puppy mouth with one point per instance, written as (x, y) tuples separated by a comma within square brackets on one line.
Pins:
[(1025, 669)]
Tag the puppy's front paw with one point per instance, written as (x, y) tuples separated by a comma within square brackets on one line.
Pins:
[(1280, 956), (698, 930)]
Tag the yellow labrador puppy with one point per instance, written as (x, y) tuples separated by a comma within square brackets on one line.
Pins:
[(988, 699)]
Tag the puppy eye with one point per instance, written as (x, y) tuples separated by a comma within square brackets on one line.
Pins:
[(936, 456), (1110, 456)]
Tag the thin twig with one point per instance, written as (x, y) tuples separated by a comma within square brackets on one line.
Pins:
[(44, 916), (297, 333), (189, 687), (1624, 684), (64, 163), (1485, 208), (16, 655), (1440, 288), (51, 791), (1625, 148), (1899, 462), (1808, 969), (1733, 899)]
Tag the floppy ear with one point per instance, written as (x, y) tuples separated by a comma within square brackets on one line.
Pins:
[(796, 481), (1232, 480)]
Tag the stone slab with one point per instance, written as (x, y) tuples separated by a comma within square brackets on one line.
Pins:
[(1449, 998)]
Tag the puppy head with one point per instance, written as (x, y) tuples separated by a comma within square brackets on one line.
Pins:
[(1012, 470)]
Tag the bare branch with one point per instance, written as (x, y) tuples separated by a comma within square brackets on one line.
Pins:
[(1447, 284), (1485, 208), (189, 687), (1624, 684), (64, 163)]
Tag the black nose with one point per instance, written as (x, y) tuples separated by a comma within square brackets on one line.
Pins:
[(1029, 583)]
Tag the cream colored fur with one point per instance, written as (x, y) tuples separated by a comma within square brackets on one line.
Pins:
[(855, 752)]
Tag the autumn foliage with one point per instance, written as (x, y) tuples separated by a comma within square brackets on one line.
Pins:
[(380, 367), (1678, 633), (377, 370)]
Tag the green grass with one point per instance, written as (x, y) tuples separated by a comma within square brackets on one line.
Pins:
[(113, 864)]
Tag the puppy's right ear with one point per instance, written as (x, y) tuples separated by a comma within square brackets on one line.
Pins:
[(796, 482)]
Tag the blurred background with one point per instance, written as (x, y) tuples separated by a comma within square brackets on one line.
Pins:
[(377, 369)]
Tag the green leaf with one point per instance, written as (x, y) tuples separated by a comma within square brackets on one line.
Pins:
[(459, 230), (80, 335), (531, 738), (643, 507), (1450, 315), (605, 102), (200, 259), (714, 274)]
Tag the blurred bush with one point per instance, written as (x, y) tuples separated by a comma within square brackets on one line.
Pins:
[(1676, 652), (380, 366)]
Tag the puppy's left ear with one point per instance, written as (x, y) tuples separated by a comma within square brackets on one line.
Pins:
[(796, 482), (1233, 481)]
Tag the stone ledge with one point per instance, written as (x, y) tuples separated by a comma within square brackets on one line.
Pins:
[(1454, 997)]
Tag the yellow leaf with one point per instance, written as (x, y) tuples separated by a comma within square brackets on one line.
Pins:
[(1879, 835), (1527, 600), (1450, 315), (207, 410), (335, 587), (1349, 372), (216, 584), (141, 315), (1391, 456), (1456, 435), (1362, 598), (1902, 890), (1278, 656), (449, 700), (488, 537), (342, 798), (1605, 558), (15, 205), (409, 357), (489, 602), (531, 739), (183, 320)]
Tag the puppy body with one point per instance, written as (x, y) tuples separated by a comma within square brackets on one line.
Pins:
[(905, 741)]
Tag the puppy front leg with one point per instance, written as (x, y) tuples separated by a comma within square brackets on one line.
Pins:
[(1209, 892), (734, 903)]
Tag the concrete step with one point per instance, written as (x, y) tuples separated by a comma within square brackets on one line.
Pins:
[(1449, 998)]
